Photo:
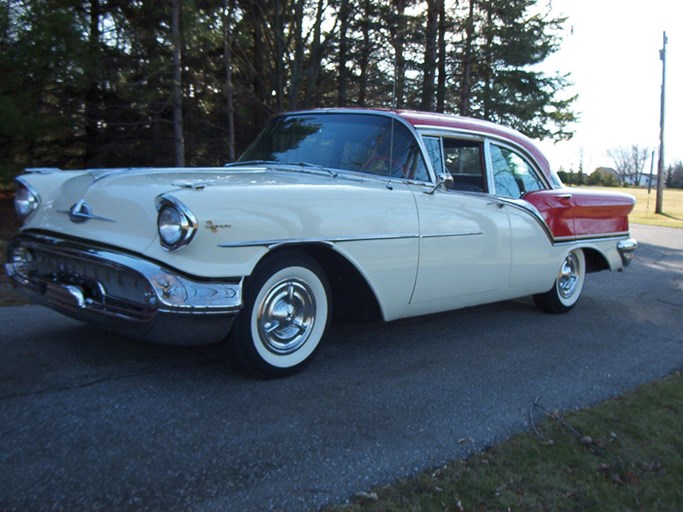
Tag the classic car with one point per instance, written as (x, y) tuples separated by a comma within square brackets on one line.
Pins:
[(387, 213)]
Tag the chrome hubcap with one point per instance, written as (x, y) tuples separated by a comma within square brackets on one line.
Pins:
[(286, 316), (569, 276)]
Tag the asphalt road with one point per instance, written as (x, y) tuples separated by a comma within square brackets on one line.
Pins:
[(97, 422)]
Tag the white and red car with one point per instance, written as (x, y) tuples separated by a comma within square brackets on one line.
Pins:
[(393, 212)]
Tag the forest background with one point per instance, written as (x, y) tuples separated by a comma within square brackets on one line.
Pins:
[(121, 83)]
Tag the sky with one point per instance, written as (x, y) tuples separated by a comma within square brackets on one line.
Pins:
[(611, 50)]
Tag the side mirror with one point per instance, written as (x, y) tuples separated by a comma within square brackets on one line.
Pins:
[(443, 180)]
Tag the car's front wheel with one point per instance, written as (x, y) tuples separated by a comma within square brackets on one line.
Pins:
[(567, 288), (287, 306)]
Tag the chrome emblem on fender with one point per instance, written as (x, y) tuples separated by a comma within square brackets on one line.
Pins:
[(81, 212)]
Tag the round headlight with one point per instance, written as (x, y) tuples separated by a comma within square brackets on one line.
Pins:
[(175, 223), (25, 200), (171, 225)]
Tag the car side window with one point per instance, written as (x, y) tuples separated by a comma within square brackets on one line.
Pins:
[(433, 145), (513, 176), (463, 159), (459, 157), (391, 151), (406, 158)]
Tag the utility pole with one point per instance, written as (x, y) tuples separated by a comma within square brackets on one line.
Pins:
[(660, 166)]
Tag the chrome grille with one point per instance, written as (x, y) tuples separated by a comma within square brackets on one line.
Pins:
[(117, 282), (106, 288)]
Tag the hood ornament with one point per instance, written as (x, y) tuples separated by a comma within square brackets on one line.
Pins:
[(82, 212)]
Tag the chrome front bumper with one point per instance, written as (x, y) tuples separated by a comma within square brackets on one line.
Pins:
[(121, 291)]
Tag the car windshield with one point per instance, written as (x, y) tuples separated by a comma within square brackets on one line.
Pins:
[(366, 143)]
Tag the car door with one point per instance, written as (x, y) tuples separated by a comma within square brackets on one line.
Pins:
[(465, 250), (513, 175)]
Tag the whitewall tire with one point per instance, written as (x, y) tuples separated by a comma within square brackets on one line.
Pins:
[(287, 307), (567, 287)]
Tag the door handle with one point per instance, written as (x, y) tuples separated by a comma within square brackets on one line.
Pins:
[(499, 205)]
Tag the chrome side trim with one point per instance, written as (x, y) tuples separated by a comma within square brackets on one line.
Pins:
[(603, 237), (520, 204), (271, 244), (452, 235), (327, 241)]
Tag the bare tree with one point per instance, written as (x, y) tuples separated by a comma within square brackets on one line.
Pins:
[(630, 162)]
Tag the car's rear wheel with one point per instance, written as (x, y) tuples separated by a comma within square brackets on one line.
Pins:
[(567, 288), (287, 306)]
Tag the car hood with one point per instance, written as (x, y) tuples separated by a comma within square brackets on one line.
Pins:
[(119, 204)]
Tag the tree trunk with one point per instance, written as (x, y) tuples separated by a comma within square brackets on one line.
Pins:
[(488, 63), (441, 81), (279, 30), (342, 73), (93, 87), (465, 93), (178, 138), (429, 64), (256, 61), (364, 59), (397, 30), (229, 89), (297, 65), (314, 63)]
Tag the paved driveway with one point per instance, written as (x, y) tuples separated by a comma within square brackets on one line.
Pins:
[(91, 421)]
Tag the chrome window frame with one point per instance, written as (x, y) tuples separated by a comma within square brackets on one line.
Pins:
[(522, 154)]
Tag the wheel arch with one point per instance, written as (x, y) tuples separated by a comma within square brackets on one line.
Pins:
[(353, 298), (595, 260)]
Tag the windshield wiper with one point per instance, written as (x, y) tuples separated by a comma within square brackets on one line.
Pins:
[(317, 167), (303, 165), (252, 162)]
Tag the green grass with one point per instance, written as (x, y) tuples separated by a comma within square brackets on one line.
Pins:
[(626, 454)]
